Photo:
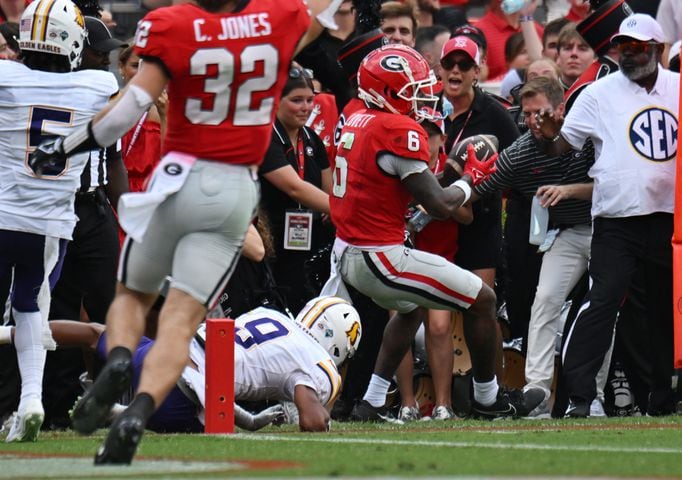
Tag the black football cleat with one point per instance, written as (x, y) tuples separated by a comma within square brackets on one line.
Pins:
[(121, 444), (363, 411), (509, 404), (92, 409), (578, 409)]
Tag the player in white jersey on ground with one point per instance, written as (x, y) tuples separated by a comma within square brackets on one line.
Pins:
[(40, 97), (276, 360)]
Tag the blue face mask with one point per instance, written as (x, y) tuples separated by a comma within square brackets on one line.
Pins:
[(447, 108)]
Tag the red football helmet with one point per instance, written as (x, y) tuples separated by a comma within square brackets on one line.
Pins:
[(397, 78)]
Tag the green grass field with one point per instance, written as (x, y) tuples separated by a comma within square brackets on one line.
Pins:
[(614, 448)]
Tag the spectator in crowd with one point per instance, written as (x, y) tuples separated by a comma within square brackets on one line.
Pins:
[(188, 231), (478, 37), (497, 27), (550, 38), (578, 11), (37, 215), (597, 30), (295, 179), (516, 56), (369, 252), (429, 43), (320, 55), (474, 112), (9, 46), (575, 55), (141, 146), (632, 207), (88, 277), (398, 22)]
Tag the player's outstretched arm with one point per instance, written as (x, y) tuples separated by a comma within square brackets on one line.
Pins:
[(107, 126), (256, 421), (67, 333), (312, 416)]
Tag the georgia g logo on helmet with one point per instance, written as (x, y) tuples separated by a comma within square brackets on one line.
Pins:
[(393, 63)]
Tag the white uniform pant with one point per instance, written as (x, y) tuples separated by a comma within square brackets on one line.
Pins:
[(562, 267)]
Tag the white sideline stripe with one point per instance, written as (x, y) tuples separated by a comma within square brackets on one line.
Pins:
[(428, 443)]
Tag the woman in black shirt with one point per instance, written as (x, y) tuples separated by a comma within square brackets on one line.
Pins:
[(295, 177)]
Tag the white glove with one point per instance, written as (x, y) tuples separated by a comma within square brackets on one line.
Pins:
[(253, 422)]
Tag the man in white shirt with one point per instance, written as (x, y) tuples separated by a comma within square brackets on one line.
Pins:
[(632, 118), (41, 97)]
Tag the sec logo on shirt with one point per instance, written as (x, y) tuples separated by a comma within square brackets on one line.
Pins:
[(653, 134)]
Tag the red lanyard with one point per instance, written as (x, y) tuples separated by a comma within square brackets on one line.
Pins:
[(300, 157), (459, 135)]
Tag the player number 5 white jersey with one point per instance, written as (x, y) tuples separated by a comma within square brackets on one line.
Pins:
[(33, 105)]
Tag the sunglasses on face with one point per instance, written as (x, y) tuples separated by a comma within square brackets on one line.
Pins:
[(296, 72), (634, 47), (464, 65)]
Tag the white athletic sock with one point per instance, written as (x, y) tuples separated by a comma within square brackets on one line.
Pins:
[(485, 393), (30, 353), (376, 391)]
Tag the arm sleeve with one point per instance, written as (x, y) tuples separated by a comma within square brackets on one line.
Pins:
[(396, 166)]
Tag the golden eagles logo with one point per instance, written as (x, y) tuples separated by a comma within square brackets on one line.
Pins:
[(79, 18), (353, 333)]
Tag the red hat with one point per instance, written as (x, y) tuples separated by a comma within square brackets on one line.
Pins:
[(462, 44)]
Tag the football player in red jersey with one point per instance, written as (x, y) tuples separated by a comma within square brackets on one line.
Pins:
[(224, 64), (380, 166)]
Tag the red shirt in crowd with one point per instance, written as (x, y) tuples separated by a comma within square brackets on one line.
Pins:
[(497, 30)]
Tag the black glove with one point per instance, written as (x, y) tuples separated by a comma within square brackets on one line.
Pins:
[(49, 157)]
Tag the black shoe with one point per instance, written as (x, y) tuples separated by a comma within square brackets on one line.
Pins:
[(363, 411), (509, 404), (341, 410), (121, 443), (92, 409), (661, 403), (578, 409)]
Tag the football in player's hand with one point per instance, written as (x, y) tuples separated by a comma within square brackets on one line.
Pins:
[(485, 146)]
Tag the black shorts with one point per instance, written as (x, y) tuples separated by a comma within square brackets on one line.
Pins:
[(480, 243)]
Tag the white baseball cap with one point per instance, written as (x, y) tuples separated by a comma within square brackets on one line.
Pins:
[(640, 27)]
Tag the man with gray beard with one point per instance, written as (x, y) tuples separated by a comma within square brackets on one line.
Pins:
[(632, 118)]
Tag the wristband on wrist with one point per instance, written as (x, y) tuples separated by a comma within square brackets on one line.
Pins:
[(465, 187), (526, 18), (554, 139), (81, 140)]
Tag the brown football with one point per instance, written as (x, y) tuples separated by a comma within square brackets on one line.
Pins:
[(484, 145)]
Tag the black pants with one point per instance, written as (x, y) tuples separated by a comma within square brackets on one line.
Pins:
[(88, 278), (523, 267), (619, 247)]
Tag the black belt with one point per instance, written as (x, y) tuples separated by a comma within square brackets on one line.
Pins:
[(564, 226)]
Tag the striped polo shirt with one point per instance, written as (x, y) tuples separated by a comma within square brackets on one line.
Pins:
[(523, 167)]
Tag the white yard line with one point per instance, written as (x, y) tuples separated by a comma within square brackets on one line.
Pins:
[(448, 444)]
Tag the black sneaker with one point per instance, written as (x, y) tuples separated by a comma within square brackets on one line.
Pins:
[(92, 409), (121, 443), (363, 411), (578, 409), (509, 404)]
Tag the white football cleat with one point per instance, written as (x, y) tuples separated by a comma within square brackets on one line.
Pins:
[(27, 422)]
